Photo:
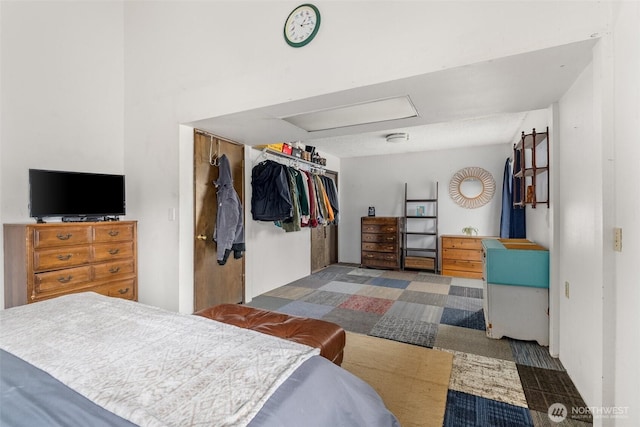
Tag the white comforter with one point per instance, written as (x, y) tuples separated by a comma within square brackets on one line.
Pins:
[(151, 366)]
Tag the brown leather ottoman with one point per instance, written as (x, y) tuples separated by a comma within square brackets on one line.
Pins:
[(327, 336)]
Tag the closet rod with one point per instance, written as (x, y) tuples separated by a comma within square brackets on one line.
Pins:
[(211, 135), (313, 166)]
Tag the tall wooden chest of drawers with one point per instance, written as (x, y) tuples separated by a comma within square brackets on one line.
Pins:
[(380, 242), (43, 261), (462, 256)]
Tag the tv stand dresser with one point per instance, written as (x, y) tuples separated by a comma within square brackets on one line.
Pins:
[(44, 261)]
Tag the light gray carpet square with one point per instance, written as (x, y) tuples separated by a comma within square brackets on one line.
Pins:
[(433, 278), (413, 311), (343, 287), (333, 299), (423, 298), (463, 303)]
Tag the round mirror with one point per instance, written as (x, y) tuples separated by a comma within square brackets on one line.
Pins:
[(472, 187)]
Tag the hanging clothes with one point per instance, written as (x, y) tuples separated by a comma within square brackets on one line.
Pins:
[(507, 200), (292, 223), (332, 194), (513, 223), (270, 196), (313, 204), (305, 217), (229, 230)]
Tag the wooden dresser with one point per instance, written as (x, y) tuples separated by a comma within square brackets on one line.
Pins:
[(380, 242), (43, 261), (462, 256)]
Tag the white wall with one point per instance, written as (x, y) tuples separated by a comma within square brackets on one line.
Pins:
[(627, 210), (379, 181), (580, 237), (62, 94)]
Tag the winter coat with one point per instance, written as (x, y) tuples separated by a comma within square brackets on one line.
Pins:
[(270, 196), (229, 231)]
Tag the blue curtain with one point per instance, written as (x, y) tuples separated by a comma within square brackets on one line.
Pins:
[(512, 220)]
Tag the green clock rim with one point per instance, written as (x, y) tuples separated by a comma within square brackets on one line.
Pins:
[(313, 33)]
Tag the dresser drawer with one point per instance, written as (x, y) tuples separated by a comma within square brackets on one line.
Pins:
[(108, 251), (461, 243), (379, 247), (121, 289), (380, 238), (457, 264), (62, 280), (379, 228), (113, 269), (53, 259), (112, 233), (380, 256), (60, 236), (462, 254)]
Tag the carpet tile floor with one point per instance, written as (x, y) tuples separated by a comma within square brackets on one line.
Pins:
[(502, 382)]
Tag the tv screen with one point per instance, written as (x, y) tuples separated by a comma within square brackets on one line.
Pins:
[(75, 194)]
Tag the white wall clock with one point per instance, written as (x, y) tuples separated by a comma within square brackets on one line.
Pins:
[(302, 25)]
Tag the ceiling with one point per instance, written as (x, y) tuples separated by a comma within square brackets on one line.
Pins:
[(480, 104)]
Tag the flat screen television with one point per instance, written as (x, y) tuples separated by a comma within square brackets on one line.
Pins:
[(75, 196)]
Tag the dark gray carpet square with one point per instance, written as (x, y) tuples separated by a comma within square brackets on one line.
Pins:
[(531, 354), (463, 318), (352, 278), (406, 330), (463, 291), (268, 303), (330, 273), (359, 322), (309, 282)]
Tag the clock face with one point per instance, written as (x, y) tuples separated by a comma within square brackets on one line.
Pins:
[(302, 25)]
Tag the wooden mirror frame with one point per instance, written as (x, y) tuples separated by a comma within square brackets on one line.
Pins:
[(482, 175)]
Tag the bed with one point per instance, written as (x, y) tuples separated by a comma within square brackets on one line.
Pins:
[(86, 359)]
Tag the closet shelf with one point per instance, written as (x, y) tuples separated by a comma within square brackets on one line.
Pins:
[(295, 160)]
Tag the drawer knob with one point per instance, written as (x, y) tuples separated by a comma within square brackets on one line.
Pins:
[(65, 279), (114, 251), (114, 269), (113, 233), (66, 257), (64, 236), (123, 291)]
